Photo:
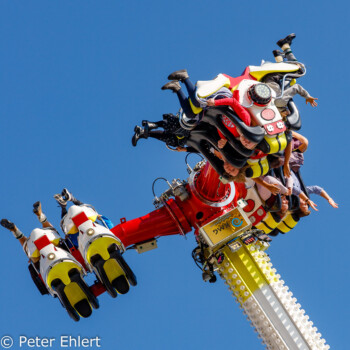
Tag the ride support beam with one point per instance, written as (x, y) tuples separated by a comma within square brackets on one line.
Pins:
[(267, 301), (165, 221), (209, 185)]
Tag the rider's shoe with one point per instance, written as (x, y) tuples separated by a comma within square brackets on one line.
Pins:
[(67, 195), (60, 200), (174, 86), (37, 208), (278, 55), (8, 224), (12, 227), (179, 75), (139, 134), (287, 40), (38, 212), (149, 125)]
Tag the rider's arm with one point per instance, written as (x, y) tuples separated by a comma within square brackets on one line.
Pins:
[(326, 196), (287, 154), (271, 184), (321, 192), (218, 154), (298, 89), (304, 141), (303, 196)]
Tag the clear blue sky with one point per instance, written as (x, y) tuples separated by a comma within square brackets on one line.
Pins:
[(76, 76)]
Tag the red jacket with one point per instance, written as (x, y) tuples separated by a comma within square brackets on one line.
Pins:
[(240, 111)]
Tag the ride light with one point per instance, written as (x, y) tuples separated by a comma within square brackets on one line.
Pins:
[(90, 231), (268, 114), (260, 212), (280, 125), (51, 256), (260, 94)]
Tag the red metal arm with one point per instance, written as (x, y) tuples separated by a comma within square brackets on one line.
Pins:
[(154, 224), (205, 191)]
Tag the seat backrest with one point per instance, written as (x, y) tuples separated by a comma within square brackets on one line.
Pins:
[(258, 72), (205, 88)]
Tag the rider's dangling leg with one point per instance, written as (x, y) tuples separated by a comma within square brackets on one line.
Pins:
[(37, 210), (15, 231), (175, 87), (62, 199), (278, 56), (62, 203), (69, 197), (160, 135), (285, 44), (183, 76)]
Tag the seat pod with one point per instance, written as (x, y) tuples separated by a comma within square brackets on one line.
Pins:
[(30, 247), (101, 250), (68, 226), (63, 277)]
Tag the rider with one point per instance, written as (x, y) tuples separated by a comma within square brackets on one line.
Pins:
[(63, 198), (37, 210), (273, 80), (235, 174)]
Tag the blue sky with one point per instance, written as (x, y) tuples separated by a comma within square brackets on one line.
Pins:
[(75, 79)]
